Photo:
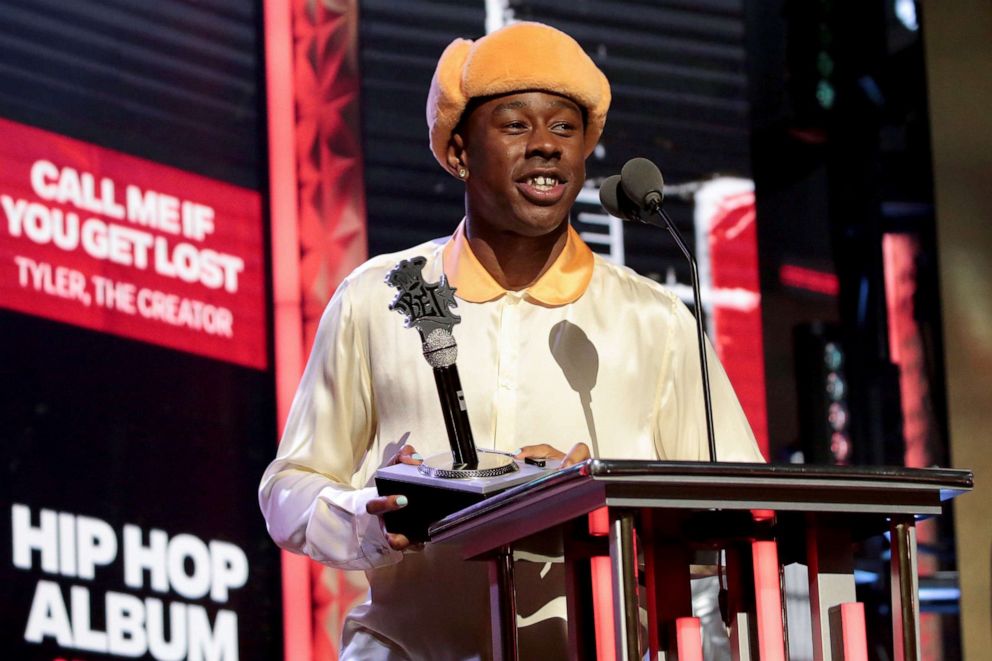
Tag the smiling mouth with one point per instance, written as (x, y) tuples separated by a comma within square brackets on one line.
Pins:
[(542, 189)]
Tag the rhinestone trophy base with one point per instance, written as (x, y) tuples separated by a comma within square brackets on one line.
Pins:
[(490, 465)]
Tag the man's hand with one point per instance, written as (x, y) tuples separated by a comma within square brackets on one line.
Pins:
[(406, 455), (381, 505), (578, 453)]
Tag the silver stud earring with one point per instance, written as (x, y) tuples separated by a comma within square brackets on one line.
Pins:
[(462, 172)]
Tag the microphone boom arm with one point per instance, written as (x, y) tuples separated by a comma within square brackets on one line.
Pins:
[(700, 336)]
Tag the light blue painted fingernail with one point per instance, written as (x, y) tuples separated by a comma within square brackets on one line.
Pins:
[(401, 501), (517, 451), (417, 456)]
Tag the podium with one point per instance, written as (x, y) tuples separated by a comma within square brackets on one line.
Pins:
[(762, 516)]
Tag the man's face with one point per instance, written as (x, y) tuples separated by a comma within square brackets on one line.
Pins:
[(525, 155)]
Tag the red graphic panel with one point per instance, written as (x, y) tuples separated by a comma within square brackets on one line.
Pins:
[(725, 211), (114, 243)]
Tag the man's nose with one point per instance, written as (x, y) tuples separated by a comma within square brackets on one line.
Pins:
[(544, 142)]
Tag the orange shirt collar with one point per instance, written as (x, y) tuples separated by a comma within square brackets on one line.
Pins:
[(563, 283)]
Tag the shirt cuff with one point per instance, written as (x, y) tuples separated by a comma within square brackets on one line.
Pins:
[(343, 534)]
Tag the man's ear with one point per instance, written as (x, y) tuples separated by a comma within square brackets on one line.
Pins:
[(457, 157)]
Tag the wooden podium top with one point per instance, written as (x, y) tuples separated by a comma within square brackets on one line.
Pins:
[(704, 501)]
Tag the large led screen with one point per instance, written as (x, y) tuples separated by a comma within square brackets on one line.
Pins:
[(119, 244)]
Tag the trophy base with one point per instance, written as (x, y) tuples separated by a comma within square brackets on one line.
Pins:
[(490, 465), (440, 489)]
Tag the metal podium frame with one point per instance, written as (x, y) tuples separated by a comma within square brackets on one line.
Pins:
[(812, 513)]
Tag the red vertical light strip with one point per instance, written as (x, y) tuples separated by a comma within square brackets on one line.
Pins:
[(689, 638), (602, 607), (599, 522), (287, 318), (768, 601), (602, 588), (852, 618)]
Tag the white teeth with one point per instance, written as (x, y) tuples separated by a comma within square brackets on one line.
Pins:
[(543, 183)]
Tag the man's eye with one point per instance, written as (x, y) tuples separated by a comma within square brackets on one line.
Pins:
[(563, 126), (516, 126)]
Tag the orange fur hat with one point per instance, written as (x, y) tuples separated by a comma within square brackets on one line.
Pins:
[(519, 57)]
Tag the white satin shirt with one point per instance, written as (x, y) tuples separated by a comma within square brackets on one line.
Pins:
[(591, 352)]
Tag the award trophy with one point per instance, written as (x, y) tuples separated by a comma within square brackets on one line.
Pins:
[(445, 482)]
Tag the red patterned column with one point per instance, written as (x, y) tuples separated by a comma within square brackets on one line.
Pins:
[(318, 237), (329, 150)]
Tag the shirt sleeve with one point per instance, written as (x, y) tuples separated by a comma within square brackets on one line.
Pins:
[(681, 409), (306, 496)]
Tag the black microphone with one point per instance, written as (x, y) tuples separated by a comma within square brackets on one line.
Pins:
[(643, 186), (642, 182), (440, 352), (615, 200)]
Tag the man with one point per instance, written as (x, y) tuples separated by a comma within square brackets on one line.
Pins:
[(557, 347)]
